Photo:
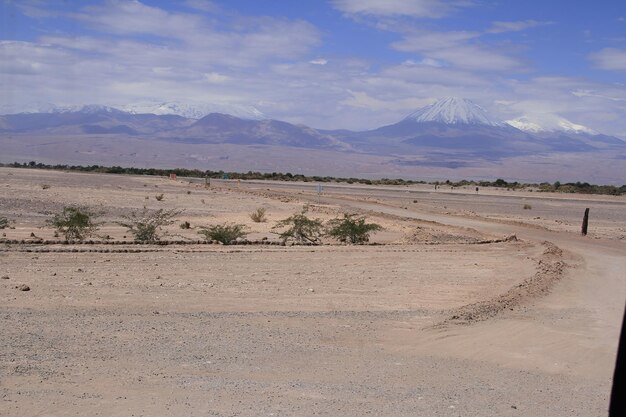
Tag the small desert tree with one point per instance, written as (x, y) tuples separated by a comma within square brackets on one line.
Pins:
[(75, 223), (300, 228), (4, 222), (223, 233), (145, 225), (352, 229)]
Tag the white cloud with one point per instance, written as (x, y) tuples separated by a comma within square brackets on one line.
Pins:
[(361, 99), (134, 17), (429, 62), (592, 93), (190, 60), (417, 72), (214, 77), (32, 9), (27, 58), (244, 42), (319, 61), (610, 59), (478, 58), (516, 26), (262, 40), (458, 49), (432, 41), (202, 5), (414, 8)]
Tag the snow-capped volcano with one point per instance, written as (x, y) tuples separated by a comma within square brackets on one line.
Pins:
[(452, 111), (548, 123), (461, 111), (196, 110)]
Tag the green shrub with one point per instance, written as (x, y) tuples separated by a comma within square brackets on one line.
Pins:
[(258, 216), (300, 228), (74, 223), (145, 225), (352, 229), (224, 233), (4, 222)]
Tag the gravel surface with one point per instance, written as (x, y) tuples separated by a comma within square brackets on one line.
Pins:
[(210, 330)]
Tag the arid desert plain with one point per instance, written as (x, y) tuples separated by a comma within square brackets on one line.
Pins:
[(466, 304)]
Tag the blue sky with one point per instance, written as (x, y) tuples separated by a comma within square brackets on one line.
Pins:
[(352, 64)]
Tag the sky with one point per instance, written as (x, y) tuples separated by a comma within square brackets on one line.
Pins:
[(335, 64)]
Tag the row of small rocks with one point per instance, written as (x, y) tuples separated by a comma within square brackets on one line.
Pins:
[(75, 250), (102, 242), (159, 242)]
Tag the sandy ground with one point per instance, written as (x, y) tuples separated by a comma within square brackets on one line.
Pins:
[(440, 318)]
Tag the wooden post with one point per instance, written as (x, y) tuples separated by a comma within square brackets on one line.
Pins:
[(585, 222)]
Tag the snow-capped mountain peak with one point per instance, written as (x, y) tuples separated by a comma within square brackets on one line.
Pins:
[(187, 110), (42, 107), (196, 110), (548, 123), (452, 111), (523, 123), (91, 109)]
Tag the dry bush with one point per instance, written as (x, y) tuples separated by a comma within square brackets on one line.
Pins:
[(352, 229), (223, 233), (75, 223), (300, 228), (145, 225), (258, 216)]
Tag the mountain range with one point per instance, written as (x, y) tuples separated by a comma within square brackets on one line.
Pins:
[(451, 133), (186, 110)]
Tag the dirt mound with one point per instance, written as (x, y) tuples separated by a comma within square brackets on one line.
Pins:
[(550, 267), (551, 249), (434, 235)]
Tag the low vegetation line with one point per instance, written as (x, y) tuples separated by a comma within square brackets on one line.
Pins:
[(557, 186)]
